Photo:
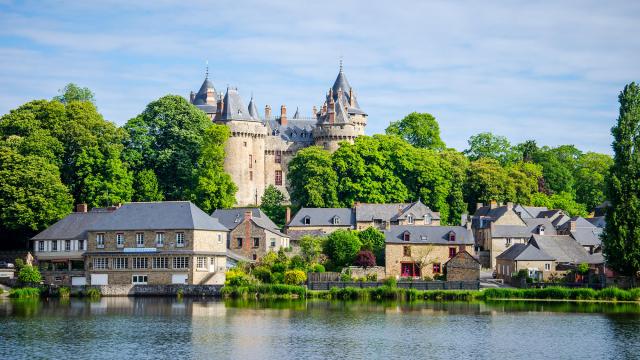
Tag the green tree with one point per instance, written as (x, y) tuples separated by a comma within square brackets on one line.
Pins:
[(372, 239), (30, 275), (621, 238), (557, 169), (524, 178), (488, 145), (312, 178), (295, 277), (527, 150), (341, 247), (103, 179), (272, 203), (311, 247), (72, 92), (419, 129), (487, 181), (145, 186), (592, 170)]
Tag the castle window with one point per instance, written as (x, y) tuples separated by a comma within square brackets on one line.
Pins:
[(250, 161), (245, 144), (250, 175), (278, 177), (278, 156)]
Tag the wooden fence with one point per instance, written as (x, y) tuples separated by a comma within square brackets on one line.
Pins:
[(417, 284)]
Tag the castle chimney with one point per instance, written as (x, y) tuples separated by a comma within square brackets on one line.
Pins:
[(219, 108), (267, 112), (82, 208), (352, 101), (493, 204), (509, 205), (573, 224), (211, 97), (287, 216), (283, 115), (192, 97), (332, 111), (478, 206), (248, 214)]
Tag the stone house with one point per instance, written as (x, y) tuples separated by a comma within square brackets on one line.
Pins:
[(59, 249), (462, 267), (584, 232), (537, 262), (420, 251), (252, 234), (383, 216), (157, 243), (320, 221)]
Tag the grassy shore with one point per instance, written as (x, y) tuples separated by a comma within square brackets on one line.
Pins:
[(270, 291)]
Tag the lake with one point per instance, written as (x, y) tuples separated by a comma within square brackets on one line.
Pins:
[(155, 328)]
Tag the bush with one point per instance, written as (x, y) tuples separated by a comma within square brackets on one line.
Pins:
[(19, 264), (262, 273), (64, 292), (279, 267), (342, 246), (317, 268), (295, 277), (25, 293), (391, 282), (372, 277), (297, 262), (264, 291), (277, 278), (93, 293), (30, 275), (440, 277), (236, 277), (583, 269), (365, 259), (346, 277)]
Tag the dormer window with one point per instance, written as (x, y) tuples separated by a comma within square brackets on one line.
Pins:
[(336, 220), (406, 236), (428, 219), (541, 229), (452, 236), (423, 237), (237, 219), (306, 220), (410, 219)]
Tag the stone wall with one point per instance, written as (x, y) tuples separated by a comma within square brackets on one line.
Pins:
[(425, 254), (462, 267), (153, 290), (359, 272)]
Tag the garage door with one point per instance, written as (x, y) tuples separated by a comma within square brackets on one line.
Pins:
[(99, 279), (78, 280), (179, 278)]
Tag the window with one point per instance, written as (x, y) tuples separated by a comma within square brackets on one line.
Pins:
[(139, 279), (245, 144), (410, 219), (139, 262), (120, 263), (99, 263), (273, 242), (201, 262), (67, 245), (160, 239), (336, 220), (160, 263), (250, 161), (452, 236), (278, 177), (212, 261), (219, 238), (406, 251), (436, 268), (254, 257), (180, 262), (452, 252), (239, 242), (306, 220), (428, 219), (256, 242), (100, 241), (250, 175), (406, 236), (40, 245), (120, 240), (80, 244), (139, 239), (278, 156), (180, 239), (54, 245), (547, 267)]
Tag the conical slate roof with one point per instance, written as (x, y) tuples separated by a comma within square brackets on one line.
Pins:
[(253, 109), (234, 108), (201, 96)]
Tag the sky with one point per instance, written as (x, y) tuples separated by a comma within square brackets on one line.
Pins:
[(544, 70)]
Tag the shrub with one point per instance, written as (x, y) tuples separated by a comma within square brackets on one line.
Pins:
[(236, 277), (365, 259), (277, 278), (295, 277), (372, 277), (93, 293), (583, 269), (345, 277), (427, 278), (279, 267), (297, 262), (391, 282), (30, 275), (440, 277), (342, 246), (180, 293), (318, 268), (25, 293), (64, 292), (19, 264), (262, 273)]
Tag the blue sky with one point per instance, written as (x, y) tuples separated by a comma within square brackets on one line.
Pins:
[(544, 70)]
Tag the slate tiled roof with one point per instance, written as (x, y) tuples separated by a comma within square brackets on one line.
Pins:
[(298, 130), (487, 211), (234, 108), (516, 231), (598, 221), (529, 212), (201, 95), (231, 218), (323, 217), (369, 212), (562, 247), (525, 252), (425, 234), (298, 234), (165, 215), (72, 227)]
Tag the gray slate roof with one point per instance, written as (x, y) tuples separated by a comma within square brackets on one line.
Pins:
[(201, 95), (231, 218), (369, 212), (165, 215), (487, 211), (529, 212), (598, 221), (72, 227), (298, 234), (524, 252), (323, 217), (234, 108), (425, 234), (296, 130), (515, 231), (253, 109), (562, 247), (587, 237)]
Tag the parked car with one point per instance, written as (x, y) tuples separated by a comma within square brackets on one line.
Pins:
[(6, 265)]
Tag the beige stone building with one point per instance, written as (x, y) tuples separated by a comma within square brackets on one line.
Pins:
[(260, 147), (421, 251), (171, 242)]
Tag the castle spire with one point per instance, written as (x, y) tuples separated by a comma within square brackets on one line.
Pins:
[(206, 73)]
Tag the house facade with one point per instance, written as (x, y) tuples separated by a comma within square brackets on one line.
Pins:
[(462, 267), (252, 234), (156, 243), (422, 251), (537, 262), (383, 216)]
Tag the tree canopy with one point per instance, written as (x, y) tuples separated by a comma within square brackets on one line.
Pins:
[(72, 92), (272, 203), (418, 129)]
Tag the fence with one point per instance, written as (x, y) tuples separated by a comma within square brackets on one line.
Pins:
[(417, 284), (321, 277)]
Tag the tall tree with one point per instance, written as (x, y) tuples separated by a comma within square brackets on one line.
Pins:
[(72, 92), (592, 170), (488, 145), (145, 186), (419, 129), (621, 238), (312, 178), (488, 181), (272, 203)]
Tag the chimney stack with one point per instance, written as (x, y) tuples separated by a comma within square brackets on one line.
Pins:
[(248, 214), (267, 112), (493, 204), (332, 111), (315, 111), (211, 97), (573, 224), (287, 216), (219, 108), (82, 208), (509, 205), (478, 206), (352, 101), (283, 115)]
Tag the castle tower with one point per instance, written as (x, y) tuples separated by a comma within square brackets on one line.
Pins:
[(206, 98), (341, 118)]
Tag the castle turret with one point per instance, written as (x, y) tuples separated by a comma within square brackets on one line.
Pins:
[(205, 99)]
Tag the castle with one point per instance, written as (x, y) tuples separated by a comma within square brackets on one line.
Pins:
[(260, 148)]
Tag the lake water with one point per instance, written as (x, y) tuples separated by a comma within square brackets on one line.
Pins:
[(158, 328)]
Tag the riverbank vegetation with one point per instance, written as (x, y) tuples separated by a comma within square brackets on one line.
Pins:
[(25, 293)]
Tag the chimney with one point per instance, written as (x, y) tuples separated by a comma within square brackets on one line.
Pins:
[(283, 115), (192, 97), (509, 205), (332, 111), (211, 97), (219, 108), (314, 111), (82, 208), (493, 204), (248, 214), (356, 204), (287, 216), (573, 224), (478, 206), (352, 101), (267, 112)]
